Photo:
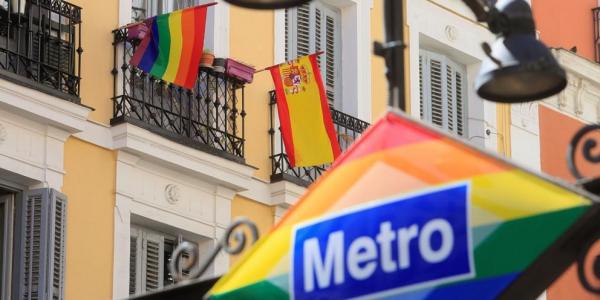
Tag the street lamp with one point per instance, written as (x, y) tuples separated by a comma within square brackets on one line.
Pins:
[(518, 68)]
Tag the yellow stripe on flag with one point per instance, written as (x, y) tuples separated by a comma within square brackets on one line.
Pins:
[(176, 45)]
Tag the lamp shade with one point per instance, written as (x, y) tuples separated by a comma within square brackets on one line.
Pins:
[(519, 68), (267, 4)]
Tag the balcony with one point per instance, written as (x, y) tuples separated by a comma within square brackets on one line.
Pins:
[(347, 128), (40, 46), (210, 117)]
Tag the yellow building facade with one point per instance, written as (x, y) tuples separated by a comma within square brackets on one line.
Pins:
[(142, 166)]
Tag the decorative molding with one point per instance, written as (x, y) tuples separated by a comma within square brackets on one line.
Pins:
[(172, 193), (451, 33), (285, 193), (580, 98)]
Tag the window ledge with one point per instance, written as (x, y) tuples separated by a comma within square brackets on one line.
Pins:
[(156, 148), (42, 107)]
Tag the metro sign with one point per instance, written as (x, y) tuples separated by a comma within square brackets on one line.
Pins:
[(409, 212), (395, 249)]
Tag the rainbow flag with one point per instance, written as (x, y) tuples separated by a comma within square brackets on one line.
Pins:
[(408, 213), (306, 125), (172, 49)]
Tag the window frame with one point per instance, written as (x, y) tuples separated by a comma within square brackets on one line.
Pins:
[(425, 99)]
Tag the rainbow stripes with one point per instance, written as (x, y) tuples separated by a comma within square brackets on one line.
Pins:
[(514, 216), (173, 48)]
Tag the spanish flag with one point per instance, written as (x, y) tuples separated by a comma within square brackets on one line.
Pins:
[(173, 48), (304, 116)]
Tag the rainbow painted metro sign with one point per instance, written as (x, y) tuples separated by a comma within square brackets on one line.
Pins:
[(410, 213)]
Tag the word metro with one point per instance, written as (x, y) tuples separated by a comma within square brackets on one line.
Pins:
[(387, 248)]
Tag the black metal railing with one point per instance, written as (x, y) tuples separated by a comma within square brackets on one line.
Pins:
[(210, 117), (40, 45), (347, 128), (596, 16)]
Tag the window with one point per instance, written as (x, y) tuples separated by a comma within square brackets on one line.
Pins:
[(442, 92), (316, 27), (143, 9), (149, 257)]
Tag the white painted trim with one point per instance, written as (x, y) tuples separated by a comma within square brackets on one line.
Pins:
[(96, 133), (139, 197), (125, 12), (42, 108), (209, 167), (102, 136), (220, 35)]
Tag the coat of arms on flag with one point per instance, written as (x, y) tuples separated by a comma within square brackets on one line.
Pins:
[(304, 116)]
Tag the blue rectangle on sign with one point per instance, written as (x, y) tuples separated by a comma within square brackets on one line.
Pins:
[(385, 248)]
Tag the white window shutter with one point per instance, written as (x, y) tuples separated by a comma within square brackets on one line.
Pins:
[(460, 100), (437, 90), (58, 225), (422, 85), (41, 257), (442, 92), (332, 52), (303, 34), (135, 262), (152, 261)]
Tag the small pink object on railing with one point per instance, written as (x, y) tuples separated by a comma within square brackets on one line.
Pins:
[(240, 71), (137, 31)]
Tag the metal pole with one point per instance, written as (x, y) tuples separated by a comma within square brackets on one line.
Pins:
[(393, 52)]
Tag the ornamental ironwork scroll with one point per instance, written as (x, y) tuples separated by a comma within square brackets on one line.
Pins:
[(588, 145), (588, 262), (184, 262)]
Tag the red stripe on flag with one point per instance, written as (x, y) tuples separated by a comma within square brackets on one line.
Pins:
[(284, 116), (187, 32), (200, 25), (335, 146)]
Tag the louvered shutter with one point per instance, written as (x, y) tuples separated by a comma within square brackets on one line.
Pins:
[(303, 36), (58, 226), (41, 258), (421, 87), (441, 83), (331, 41), (152, 261), (135, 261), (436, 92), (316, 27)]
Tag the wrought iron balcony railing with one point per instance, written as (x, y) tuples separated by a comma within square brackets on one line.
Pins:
[(40, 45), (210, 117), (347, 128)]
